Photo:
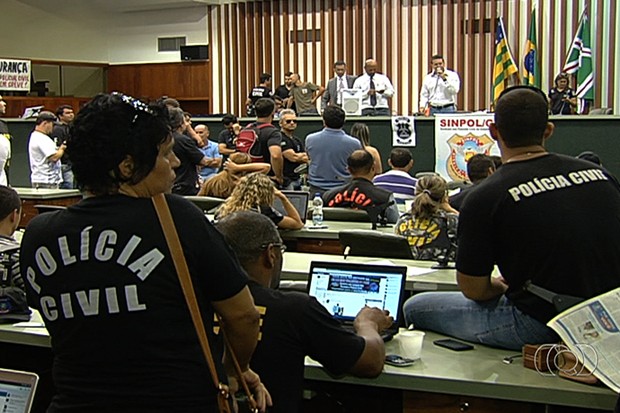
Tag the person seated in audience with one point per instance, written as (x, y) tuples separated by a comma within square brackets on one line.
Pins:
[(542, 218), (479, 167), (430, 225), (256, 192), (361, 193), (398, 180), (211, 151), (10, 215), (227, 136), (362, 132), (591, 157), (238, 165), (293, 323)]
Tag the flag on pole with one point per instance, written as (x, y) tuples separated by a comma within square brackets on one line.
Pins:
[(505, 65), (579, 61), (531, 67)]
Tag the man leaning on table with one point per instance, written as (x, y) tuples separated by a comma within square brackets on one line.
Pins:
[(293, 323), (542, 217)]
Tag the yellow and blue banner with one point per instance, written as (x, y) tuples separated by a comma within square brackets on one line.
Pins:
[(505, 65)]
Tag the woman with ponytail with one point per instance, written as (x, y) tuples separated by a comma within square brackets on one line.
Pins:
[(430, 225)]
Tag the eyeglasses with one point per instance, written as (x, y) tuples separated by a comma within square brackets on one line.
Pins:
[(274, 244), (291, 121), (532, 88)]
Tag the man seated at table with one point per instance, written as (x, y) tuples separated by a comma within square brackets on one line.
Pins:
[(293, 323), (542, 217), (360, 192)]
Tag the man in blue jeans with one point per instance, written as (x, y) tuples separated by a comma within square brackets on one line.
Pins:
[(542, 217)]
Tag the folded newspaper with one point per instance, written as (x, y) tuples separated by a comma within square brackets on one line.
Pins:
[(590, 331)]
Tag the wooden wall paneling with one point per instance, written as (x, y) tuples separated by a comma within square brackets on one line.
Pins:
[(286, 54), (237, 78), (295, 61), (422, 66), (330, 32), (469, 56), (318, 63)]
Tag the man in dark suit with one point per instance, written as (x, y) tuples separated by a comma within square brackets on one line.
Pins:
[(342, 80)]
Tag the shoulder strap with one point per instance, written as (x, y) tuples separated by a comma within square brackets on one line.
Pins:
[(174, 244), (172, 239)]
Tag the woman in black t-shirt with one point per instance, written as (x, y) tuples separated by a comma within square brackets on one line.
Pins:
[(562, 99)]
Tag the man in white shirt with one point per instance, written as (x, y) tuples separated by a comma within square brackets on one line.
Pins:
[(377, 89), (439, 89), (45, 167)]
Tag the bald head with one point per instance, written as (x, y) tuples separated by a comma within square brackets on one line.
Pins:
[(360, 163), (521, 117), (370, 66)]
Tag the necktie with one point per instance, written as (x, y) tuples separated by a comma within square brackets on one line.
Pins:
[(373, 98), (340, 89)]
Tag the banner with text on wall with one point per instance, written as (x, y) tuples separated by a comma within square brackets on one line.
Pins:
[(458, 138), (15, 75)]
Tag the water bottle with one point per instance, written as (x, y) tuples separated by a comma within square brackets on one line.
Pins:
[(317, 210)]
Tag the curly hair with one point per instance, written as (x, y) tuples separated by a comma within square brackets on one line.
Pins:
[(430, 192), (252, 191), (222, 184), (107, 130)]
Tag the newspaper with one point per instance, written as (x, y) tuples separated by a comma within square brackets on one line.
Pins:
[(590, 331)]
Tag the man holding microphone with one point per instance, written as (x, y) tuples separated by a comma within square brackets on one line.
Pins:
[(439, 89)]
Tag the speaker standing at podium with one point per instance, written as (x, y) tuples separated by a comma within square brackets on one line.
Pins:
[(335, 85), (377, 90), (439, 89)]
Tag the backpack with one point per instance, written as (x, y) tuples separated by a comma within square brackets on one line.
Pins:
[(13, 303), (247, 141)]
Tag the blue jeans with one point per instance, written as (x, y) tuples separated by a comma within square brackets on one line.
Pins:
[(448, 109), (495, 323), (67, 177)]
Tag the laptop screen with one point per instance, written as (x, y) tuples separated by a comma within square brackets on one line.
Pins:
[(16, 391), (299, 199), (344, 288)]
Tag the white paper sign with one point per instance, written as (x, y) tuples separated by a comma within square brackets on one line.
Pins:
[(15, 75)]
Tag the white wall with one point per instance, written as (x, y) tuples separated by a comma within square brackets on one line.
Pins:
[(35, 33), (73, 31)]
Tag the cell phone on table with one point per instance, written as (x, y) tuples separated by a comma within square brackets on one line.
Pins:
[(453, 344), (398, 361)]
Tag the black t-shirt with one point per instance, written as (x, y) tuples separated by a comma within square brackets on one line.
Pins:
[(102, 277), (60, 134), (554, 220), (295, 325), (258, 92), (358, 193), (186, 181), (555, 98), (297, 146), (268, 136)]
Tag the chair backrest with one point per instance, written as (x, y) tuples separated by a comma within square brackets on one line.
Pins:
[(205, 203), (424, 173), (601, 111), (344, 214), (368, 243)]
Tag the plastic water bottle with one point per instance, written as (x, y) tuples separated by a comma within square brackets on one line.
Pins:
[(317, 210)]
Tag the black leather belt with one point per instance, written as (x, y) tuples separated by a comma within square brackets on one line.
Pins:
[(442, 106)]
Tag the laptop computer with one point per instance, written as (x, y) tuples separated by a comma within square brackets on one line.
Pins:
[(344, 288), (299, 199), (17, 390)]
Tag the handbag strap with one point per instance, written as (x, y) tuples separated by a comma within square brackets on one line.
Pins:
[(180, 264)]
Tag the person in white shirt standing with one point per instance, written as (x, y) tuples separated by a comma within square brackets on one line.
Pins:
[(45, 167), (5, 145), (439, 89), (377, 90)]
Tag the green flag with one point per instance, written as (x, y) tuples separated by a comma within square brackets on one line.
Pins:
[(531, 67), (579, 62)]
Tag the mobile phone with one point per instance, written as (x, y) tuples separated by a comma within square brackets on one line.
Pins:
[(453, 344), (398, 361)]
